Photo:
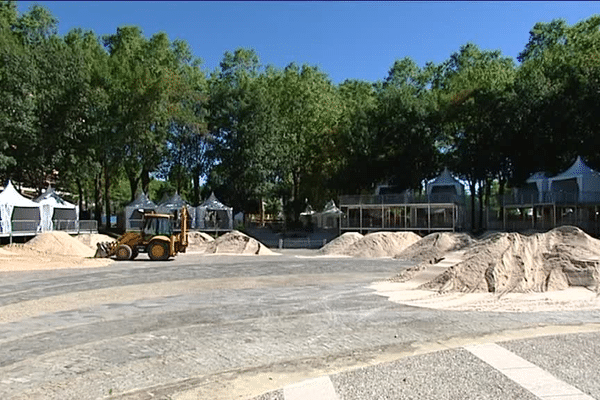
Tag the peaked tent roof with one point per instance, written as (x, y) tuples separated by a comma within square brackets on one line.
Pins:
[(538, 176), (331, 208), (308, 211), (578, 169), (142, 201), (444, 179), (173, 202), (10, 196), (213, 204), (51, 197)]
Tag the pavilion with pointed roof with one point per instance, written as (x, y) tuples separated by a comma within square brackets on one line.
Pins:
[(213, 215), (18, 213), (56, 212)]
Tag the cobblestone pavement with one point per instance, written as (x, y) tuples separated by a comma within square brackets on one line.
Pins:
[(216, 326)]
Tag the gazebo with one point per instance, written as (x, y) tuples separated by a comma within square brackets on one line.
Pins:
[(173, 205), (578, 184), (445, 189), (214, 215), (330, 216), (135, 210), (17, 213), (56, 213)]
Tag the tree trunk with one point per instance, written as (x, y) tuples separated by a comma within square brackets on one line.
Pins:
[(107, 195), (145, 177), (98, 197), (501, 184), (473, 195), (196, 188), (133, 183), (80, 193), (481, 193)]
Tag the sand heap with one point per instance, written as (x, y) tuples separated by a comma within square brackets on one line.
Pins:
[(510, 262), (198, 241), (236, 242), (4, 252), (341, 244), (382, 244), (92, 239), (58, 243), (432, 247)]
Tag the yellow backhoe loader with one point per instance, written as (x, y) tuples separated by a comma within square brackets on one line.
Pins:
[(155, 238)]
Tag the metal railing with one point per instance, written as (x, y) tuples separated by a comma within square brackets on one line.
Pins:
[(404, 198), (551, 197), (20, 227)]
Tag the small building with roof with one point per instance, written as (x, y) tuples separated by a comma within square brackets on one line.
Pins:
[(173, 205)]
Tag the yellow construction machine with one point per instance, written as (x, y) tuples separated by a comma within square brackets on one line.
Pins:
[(155, 238)]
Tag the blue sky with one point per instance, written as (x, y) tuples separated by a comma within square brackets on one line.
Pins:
[(347, 40)]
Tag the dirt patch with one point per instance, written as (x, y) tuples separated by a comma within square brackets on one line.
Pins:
[(433, 247), (382, 244), (341, 244), (236, 242), (510, 262)]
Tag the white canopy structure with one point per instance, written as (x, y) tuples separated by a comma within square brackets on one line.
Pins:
[(54, 208), (445, 188), (535, 189), (329, 217), (579, 183), (135, 210), (213, 215), (17, 213), (173, 205)]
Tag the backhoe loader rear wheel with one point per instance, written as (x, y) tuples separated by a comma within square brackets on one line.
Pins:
[(158, 251), (123, 252)]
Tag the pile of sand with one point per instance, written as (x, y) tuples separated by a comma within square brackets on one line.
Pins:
[(510, 262), (341, 244), (236, 242), (4, 252), (55, 243), (432, 247), (198, 241), (382, 244), (92, 239)]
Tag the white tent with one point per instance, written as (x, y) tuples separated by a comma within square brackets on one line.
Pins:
[(174, 204), (579, 183), (535, 189), (135, 210), (212, 214), (329, 217), (18, 213), (54, 208), (445, 188)]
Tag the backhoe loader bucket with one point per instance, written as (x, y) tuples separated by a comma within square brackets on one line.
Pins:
[(102, 250)]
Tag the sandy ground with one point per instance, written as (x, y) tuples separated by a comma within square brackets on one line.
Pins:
[(407, 293)]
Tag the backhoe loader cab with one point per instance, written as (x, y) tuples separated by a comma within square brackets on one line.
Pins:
[(155, 238)]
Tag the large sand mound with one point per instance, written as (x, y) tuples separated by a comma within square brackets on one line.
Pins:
[(382, 244), (198, 241), (433, 246), (56, 243), (341, 244), (236, 242), (510, 262)]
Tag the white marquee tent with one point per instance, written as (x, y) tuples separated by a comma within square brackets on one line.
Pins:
[(134, 212), (212, 214), (17, 213), (54, 208), (579, 183), (445, 188), (172, 205)]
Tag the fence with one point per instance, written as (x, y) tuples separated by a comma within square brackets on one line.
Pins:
[(403, 198), (294, 243), (33, 227)]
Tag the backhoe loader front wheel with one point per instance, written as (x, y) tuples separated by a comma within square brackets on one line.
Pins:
[(158, 251), (123, 252)]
